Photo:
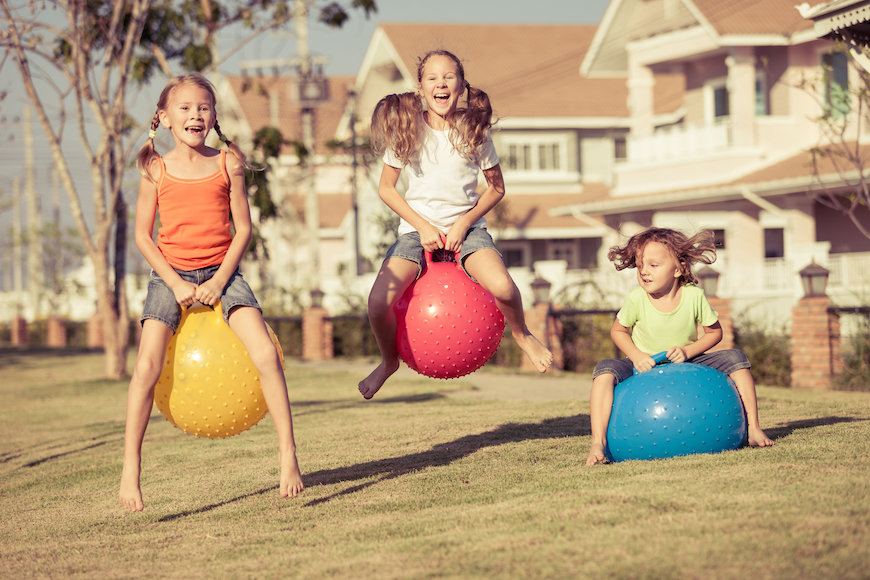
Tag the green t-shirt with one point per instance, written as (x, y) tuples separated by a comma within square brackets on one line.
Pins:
[(653, 331)]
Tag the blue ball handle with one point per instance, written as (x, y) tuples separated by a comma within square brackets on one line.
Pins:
[(659, 357)]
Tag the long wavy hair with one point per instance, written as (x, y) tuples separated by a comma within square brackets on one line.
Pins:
[(699, 248), (148, 152), (397, 121)]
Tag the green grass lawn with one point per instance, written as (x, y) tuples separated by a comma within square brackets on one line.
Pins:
[(418, 483)]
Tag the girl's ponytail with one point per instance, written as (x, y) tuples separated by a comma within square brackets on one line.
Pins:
[(471, 124), (148, 153), (232, 147), (397, 125)]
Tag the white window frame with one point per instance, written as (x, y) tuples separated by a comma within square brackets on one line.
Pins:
[(534, 142)]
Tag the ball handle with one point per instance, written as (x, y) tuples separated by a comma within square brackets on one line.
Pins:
[(660, 358), (428, 254)]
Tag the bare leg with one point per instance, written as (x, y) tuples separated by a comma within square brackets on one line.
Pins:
[(486, 267), (600, 405), (746, 387), (249, 326), (140, 400), (394, 278)]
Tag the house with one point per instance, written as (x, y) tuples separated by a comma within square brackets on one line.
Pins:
[(732, 153), (679, 113)]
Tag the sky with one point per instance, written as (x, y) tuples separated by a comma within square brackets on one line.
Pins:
[(344, 48)]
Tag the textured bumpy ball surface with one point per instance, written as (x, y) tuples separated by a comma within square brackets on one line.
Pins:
[(675, 409), (448, 325), (208, 386)]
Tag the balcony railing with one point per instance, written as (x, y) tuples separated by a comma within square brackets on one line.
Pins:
[(679, 142)]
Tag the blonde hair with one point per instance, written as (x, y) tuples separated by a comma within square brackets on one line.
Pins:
[(687, 250), (397, 121), (148, 153)]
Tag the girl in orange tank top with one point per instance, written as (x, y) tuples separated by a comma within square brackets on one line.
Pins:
[(196, 188)]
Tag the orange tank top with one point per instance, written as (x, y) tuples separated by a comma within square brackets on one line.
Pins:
[(194, 218)]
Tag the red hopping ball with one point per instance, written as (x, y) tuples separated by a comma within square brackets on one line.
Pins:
[(448, 325)]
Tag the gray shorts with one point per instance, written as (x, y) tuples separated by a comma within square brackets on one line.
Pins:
[(408, 246), (725, 361), (160, 301)]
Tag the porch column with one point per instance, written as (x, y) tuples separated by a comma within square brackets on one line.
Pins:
[(741, 90), (641, 84)]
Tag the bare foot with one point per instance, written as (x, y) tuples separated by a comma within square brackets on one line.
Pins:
[(291, 478), (372, 383), (596, 454), (539, 354), (130, 495), (757, 438)]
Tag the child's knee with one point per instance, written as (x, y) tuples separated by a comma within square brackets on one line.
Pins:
[(146, 370), (502, 288)]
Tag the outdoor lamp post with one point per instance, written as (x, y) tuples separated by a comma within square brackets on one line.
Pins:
[(540, 290), (708, 278), (814, 279), (316, 298)]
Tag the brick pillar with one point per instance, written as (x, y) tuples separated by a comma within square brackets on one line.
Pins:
[(816, 352), (722, 306), (55, 333), (316, 334), (546, 328), (95, 331), (20, 332)]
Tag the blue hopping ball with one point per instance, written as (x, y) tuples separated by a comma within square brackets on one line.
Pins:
[(675, 409)]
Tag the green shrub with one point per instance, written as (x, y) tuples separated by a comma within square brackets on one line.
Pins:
[(856, 361), (586, 339), (768, 351)]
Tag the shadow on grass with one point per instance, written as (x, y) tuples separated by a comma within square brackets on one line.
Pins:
[(15, 355), (316, 406), (789, 428), (441, 454), (446, 453)]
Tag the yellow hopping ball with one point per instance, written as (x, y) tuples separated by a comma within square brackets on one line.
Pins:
[(208, 386)]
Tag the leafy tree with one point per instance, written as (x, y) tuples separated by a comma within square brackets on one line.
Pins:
[(84, 57)]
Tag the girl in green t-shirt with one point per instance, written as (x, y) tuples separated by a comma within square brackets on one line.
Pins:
[(663, 314)]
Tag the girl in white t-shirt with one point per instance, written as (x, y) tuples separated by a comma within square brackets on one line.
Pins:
[(443, 149)]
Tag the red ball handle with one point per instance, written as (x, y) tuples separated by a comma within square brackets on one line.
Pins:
[(428, 254)]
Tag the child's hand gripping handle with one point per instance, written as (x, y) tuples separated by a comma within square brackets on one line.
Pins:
[(659, 358)]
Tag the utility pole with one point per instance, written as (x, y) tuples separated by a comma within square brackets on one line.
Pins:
[(351, 104), (17, 239), (312, 209), (35, 263)]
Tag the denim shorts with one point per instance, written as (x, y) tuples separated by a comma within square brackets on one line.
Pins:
[(725, 361), (408, 246), (160, 303)]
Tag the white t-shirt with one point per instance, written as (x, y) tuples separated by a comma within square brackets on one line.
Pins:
[(442, 184)]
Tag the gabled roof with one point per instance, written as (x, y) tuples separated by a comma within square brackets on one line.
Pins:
[(750, 17), (265, 102), (846, 19), (794, 174), (527, 70), (725, 22)]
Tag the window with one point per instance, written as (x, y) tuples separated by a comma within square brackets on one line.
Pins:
[(720, 102), (620, 150), (513, 257), (761, 108), (719, 239), (774, 243), (835, 70), (535, 153)]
